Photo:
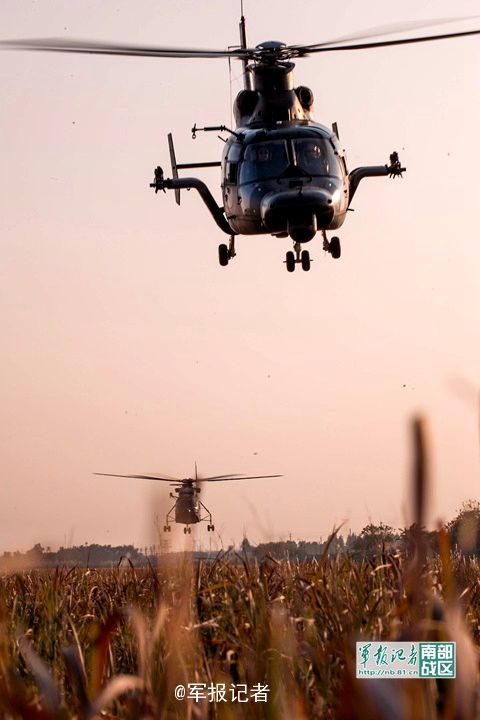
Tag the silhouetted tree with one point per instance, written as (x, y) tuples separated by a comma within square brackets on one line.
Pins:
[(464, 529), (372, 540)]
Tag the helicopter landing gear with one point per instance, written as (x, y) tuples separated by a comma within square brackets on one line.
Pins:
[(188, 530), (226, 253), (208, 517), (305, 260), (223, 255), (299, 256), (333, 247), (169, 518)]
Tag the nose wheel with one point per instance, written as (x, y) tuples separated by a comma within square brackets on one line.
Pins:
[(297, 256), (187, 530), (305, 260)]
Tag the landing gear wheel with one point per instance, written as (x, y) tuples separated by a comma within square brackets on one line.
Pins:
[(305, 258), (210, 528), (223, 255), (185, 530), (165, 528), (290, 261), (335, 248)]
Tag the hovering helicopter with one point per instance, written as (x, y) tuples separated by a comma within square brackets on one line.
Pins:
[(283, 174), (188, 509)]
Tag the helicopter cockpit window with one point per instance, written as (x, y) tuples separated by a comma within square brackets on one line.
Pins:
[(264, 160), (233, 157), (316, 157), (234, 152), (232, 171)]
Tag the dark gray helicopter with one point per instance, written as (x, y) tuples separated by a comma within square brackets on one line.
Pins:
[(188, 509), (282, 173)]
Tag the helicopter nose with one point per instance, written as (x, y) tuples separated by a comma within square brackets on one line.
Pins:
[(295, 208)]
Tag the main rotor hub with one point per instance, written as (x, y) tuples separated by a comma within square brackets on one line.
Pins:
[(271, 45), (271, 52)]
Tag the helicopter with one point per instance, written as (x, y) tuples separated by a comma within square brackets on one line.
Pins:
[(283, 174), (188, 509)]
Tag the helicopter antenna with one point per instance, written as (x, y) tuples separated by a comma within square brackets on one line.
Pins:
[(247, 78), (230, 83)]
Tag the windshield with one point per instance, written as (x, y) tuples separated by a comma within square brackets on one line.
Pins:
[(314, 156), (264, 160)]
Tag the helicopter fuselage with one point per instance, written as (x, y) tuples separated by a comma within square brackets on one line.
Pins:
[(187, 506), (288, 180)]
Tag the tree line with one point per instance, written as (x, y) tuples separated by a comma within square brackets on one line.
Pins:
[(463, 535)]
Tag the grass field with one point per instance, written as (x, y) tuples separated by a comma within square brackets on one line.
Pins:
[(277, 634), (75, 643)]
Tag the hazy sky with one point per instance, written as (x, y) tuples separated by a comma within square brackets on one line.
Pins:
[(126, 348)]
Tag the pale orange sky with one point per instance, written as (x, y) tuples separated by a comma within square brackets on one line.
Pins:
[(126, 348)]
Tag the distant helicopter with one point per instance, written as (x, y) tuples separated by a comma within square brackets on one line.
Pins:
[(188, 509), (282, 173)]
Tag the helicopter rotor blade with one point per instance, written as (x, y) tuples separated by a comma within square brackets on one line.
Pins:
[(389, 29), (308, 50), (222, 478), (103, 48), (197, 479), (219, 477), (164, 478)]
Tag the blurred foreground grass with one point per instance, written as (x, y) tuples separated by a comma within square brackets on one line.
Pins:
[(88, 643)]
